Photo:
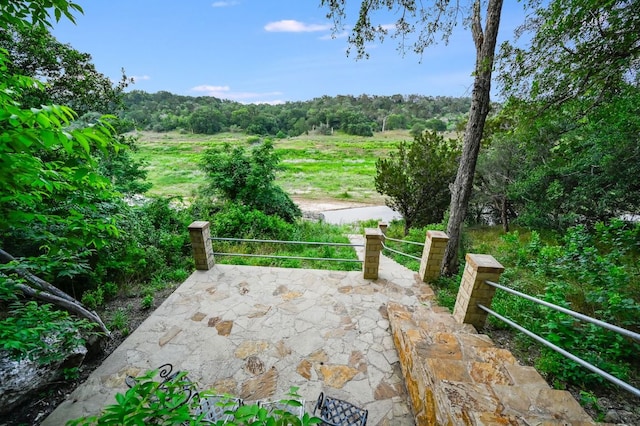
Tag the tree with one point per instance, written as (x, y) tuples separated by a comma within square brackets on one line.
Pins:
[(69, 77), (579, 49), (436, 124), (578, 89), (580, 171), (44, 160), (432, 18), (416, 178), (248, 179), (206, 120), (498, 166)]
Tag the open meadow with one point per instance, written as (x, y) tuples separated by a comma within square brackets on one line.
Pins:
[(314, 168)]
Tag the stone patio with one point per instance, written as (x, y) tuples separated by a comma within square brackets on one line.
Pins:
[(254, 332)]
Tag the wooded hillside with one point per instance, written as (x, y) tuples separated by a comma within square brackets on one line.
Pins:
[(355, 115)]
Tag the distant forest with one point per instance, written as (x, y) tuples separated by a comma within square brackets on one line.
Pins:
[(355, 115)]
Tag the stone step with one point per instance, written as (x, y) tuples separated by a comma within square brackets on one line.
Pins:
[(456, 376)]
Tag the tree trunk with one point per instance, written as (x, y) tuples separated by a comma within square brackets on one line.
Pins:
[(504, 213), (485, 42)]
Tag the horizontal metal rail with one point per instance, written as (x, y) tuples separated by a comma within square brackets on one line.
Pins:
[(561, 351), (313, 243), (403, 241), (582, 317), (273, 256), (400, 253)]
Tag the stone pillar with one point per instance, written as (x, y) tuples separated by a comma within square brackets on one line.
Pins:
[(383, 227), (200, 237), (432, 255), (473, 290), (372, 249)]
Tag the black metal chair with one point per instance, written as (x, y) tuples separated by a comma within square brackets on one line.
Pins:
[(218, 407), (336, 412), (271, 406)]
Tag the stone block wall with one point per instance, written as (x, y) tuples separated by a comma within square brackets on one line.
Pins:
[(455, 376)]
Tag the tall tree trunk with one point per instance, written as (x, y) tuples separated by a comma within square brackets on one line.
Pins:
[(485, 42), (504, 213)]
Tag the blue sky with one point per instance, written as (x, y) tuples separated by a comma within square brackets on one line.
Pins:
[(261, 50)]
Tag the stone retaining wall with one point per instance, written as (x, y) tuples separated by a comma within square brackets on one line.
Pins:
[(456, 376)]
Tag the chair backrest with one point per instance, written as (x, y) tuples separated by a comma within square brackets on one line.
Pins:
[(271, 406), (336, 412)]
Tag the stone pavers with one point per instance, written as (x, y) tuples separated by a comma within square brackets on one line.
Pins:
[(254, 332)]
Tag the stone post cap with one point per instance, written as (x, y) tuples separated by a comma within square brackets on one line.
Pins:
[(438, 235), (373, 232), (199, 224), (484, 262)]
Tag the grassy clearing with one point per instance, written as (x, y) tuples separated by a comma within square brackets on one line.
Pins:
[(313, 166)]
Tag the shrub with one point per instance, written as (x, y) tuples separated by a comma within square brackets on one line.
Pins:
[(591, 271), (237, 221), (248, 178), (41, 333), (176, 401)]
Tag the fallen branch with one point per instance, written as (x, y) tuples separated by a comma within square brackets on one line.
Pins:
[(43, 290), (63, 303), (34, 280)]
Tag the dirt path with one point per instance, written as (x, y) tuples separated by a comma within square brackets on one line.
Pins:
[(324, 204)]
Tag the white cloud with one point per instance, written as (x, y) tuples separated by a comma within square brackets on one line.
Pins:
[(225, 92), (137, 78), (211, 90), (224, 3), (293, 26)]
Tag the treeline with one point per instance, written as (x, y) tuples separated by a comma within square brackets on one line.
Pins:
[(355, 115)]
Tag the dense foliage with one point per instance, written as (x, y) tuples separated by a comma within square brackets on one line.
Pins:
[(70, 76), (564, 148), (355, 115), (176, 400), (248, 179), (63, 220), (416, 178), (594, 273)]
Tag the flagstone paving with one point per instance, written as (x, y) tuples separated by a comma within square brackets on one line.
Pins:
[(254, 332)]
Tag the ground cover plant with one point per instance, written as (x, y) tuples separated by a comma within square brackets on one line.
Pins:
[(311, 166)]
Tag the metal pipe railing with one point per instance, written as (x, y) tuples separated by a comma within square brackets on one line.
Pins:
[(403, 241), (317, 243), (582, 317), (273, 256), (563, 352), (400, 253)]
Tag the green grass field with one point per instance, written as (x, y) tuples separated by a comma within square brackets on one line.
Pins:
[(314, 167)]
